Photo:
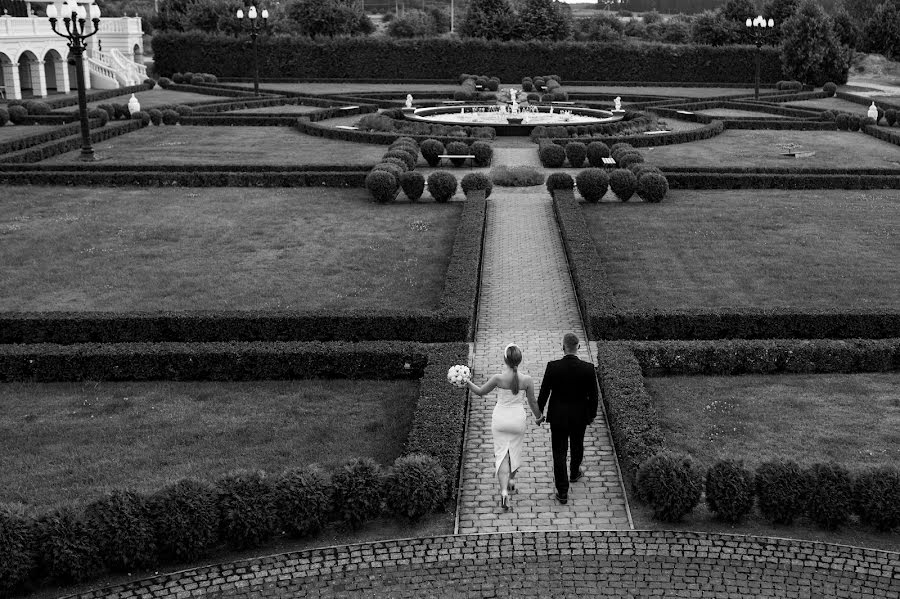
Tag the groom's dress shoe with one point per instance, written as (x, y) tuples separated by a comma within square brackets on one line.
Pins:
[(576, 477), (561, 498)]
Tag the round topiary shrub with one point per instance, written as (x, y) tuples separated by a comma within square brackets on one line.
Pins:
[(560, 181), (66, 551), (781, 490), (441, 186), (431, 149), (413, 185), (576, 152), (186, 78), (623, 183), (37, 108), (483, 153), (184, 110), (876, 497), (620, 148), (408, 159), (830, 499), (652, 187), (16, 558), (394, 169), (828, 116), (416, 486), (382, 185), (178, 77), (890, 116), (476, 181), (149, 83), (246, 510), (626, 159), (596, 152), (458, 148), (359, 488), (640, 168), (670, 485), (829, 88), (729, 490), (18, 114), (842, 121), (141, 116), (539, 82), (155, 116), (170, 117), (185, 520), (533, 97), (592, 184), (397, 162), (866, 121), (197, 80), (102, 115), (854, 123), (121, 526), (551, 155), (303, 500), (527, 86), (166, 83), (109, 109), (4, 116), (121, 111), (210, 78)]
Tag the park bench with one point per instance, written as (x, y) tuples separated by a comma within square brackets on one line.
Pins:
[(608, 161), (452, 156)]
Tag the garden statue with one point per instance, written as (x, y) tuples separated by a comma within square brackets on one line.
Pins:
[(873, 112), (409, 100), (133, 105), (618, 103)]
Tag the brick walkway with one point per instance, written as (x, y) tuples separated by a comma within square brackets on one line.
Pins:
[(527, 298)]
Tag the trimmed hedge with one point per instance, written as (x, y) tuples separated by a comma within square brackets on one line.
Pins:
[(383, 58), (23, 143), (49, 150), (196, 177)]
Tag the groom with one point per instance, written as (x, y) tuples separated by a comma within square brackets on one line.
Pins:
[(572, 384)]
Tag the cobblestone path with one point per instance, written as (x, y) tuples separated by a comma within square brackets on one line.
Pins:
[(527, 298)]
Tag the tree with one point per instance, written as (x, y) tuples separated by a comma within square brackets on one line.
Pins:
[(810, 51), (412, 23), (845, 28), (544, 20), (882, 31), (780, 11), (490, 19), (329, 18), (709, 27), (738, 10), (861, 10)]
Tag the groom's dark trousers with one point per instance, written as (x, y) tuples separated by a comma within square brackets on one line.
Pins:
[(571, 386)]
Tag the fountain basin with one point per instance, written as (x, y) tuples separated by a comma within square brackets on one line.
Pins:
[(520, 123)]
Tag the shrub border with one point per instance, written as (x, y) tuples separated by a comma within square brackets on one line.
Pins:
[(49, 150), (23, 143)]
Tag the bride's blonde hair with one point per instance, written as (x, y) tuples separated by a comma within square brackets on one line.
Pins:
[(512, 355)]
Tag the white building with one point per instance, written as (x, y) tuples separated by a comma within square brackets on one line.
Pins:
[(33, 59)]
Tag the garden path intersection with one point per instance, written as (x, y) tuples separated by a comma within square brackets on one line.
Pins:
[(527, 298)]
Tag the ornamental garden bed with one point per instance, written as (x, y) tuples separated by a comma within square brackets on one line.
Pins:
[(67, 443), (742, 148), (158, 97), (730, 112), (806, 250), (125, 249), (10, 131), (285, 109), (835, 104), (232, 145)]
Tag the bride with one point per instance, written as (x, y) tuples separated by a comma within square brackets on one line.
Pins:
[(508, 420)]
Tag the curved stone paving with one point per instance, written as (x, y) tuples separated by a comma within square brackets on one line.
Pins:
[(527, 297)]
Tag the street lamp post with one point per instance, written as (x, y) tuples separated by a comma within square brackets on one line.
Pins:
[(757, 27), (75, 18), (254, 27)]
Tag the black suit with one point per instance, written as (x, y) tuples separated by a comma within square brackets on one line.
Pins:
[(571, 384)]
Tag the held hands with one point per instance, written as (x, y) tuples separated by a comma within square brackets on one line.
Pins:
[(539, 420)]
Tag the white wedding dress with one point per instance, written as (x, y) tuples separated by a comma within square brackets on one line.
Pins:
[(508, 427)]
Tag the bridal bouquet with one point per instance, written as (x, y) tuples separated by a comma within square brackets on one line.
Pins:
[(458, 375)]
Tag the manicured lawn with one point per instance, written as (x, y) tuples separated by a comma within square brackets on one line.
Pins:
[(65, 443), (227, 145), (158, 97), (730, 112), (114, 249), (762, 148), (817, 249), (286, 109), (852, 419), (835, 104), (10, 132), (351, 88), (681, 92)]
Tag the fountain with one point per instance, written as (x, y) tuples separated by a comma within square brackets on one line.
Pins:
[(511, 118)]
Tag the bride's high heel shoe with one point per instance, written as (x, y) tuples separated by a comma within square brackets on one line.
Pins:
[(511, 486), (504, 501)]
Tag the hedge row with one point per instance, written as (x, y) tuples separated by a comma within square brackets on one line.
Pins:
[(782, 170), (240, 120), (454, 319), (103, 167), (889, 136), (634, 422), (51, 149), (445, 58), (778, 125), (216, 90), (459, 299), (826, 493), (23, 143), (123, 531), (369, 137), (168, 178), (749, 323), (735, 104), (866, 101), (263, 103), (217, 361), (783, 180)]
